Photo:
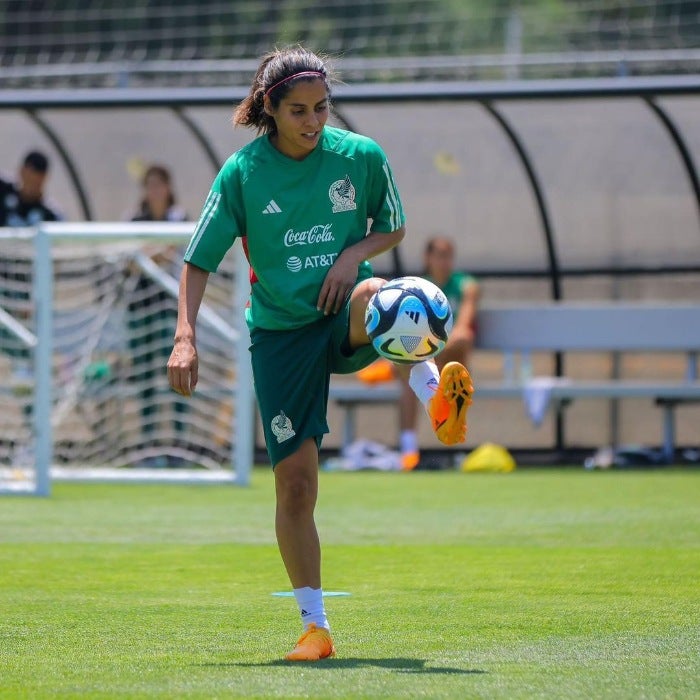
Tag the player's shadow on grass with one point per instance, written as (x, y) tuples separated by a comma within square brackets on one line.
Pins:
[(400, 665)]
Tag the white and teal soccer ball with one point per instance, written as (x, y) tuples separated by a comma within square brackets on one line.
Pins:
[(408, 320)]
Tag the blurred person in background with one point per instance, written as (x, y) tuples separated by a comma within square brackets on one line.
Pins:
[(152, 316), (462, 291), (158, 202), (22, 203)]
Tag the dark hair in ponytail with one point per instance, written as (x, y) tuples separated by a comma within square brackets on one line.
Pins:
[(275, 77)]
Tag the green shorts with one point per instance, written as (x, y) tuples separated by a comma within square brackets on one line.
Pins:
[(291, 372)]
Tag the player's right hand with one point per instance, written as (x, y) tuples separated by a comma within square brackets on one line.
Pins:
[(183, 367)]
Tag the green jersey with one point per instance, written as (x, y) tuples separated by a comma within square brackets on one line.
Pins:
[(454, 289), (295, 218)]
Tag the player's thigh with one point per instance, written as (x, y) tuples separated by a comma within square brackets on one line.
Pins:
[(350, 349), (359, 298)]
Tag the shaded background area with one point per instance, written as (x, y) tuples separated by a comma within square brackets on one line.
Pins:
[(623, 213), (624, 217), (616, 188)]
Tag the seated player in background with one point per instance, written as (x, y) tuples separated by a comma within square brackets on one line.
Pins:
[(462, 291)]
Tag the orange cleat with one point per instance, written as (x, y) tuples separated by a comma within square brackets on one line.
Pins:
[(448, 408), (316, 643), (409, 461), (379, 371)]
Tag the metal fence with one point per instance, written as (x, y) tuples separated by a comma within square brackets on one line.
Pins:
[(109, 42)]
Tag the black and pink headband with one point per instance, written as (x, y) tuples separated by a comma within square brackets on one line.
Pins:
[(295, 75)]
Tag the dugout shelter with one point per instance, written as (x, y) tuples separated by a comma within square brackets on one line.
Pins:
[(552, 190)]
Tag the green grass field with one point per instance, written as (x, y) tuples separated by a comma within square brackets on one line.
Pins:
[(539, 584)]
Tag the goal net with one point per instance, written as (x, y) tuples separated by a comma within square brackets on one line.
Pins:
[(87, 317)]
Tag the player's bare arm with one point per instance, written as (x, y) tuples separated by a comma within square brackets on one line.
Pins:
[(183, 365), (466, 315), (342, 275)]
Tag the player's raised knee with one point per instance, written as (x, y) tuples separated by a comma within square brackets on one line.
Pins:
[(364, 291)]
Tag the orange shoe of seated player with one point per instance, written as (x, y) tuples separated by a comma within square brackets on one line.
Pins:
[(409, 461), (448, 408), (379, 371), (316, 643)]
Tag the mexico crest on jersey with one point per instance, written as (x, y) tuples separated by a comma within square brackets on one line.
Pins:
[(342, 195)]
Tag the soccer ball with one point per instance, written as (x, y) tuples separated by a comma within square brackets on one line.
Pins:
[(408, 320)]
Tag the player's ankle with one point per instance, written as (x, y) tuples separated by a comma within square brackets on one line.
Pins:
[(311, 607), (423, 380)]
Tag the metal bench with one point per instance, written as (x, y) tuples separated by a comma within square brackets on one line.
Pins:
[(571, 327)]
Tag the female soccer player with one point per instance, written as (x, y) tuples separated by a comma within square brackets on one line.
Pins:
[(300, 196)]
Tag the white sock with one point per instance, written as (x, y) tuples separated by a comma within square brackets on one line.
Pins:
[(408, 442), (424, 379), (310, 602)]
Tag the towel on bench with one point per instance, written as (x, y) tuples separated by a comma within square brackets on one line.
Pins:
[(537, 395)]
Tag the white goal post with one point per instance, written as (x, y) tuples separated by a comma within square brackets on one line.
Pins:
[(87, 317)]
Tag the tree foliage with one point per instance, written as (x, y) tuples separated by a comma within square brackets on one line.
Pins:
[(45, 30)]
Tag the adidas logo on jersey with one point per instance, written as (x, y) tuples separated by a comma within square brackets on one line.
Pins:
[(272, 208)]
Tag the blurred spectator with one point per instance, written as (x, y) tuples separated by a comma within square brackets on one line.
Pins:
[(158, 202), (22, 203), (152, 318)]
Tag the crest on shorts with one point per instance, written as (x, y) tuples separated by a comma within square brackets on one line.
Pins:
[(282, 427), (342, 195)]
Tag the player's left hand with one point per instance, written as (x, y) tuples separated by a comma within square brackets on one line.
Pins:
[(339, 282)]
